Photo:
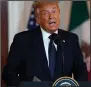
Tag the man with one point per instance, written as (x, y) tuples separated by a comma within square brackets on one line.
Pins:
[(30, 53)]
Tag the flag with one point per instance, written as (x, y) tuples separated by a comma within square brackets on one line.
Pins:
[(79, 20), (80, 24), (32, 22)]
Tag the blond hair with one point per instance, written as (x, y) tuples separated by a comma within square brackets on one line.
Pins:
[(39, 4)]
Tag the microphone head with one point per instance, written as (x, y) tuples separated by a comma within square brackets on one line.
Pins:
[(56, 38)]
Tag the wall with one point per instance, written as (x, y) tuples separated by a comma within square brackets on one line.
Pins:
[(18, 13)]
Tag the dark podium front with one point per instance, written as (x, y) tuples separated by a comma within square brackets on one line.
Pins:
[(49, 84), (35, 84)]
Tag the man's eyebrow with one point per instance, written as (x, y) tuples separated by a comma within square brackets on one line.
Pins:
[(54, 7), (44, 10)]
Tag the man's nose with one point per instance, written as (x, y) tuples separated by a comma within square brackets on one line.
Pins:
[(51, 16)]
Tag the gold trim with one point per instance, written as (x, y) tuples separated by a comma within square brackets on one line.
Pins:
[(65, 77)]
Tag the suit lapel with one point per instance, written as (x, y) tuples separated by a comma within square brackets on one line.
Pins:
[(40, 52)]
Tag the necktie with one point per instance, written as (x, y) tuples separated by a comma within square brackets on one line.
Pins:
[(52, 56)]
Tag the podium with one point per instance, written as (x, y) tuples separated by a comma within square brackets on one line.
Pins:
[(35, 84), (49, 84)]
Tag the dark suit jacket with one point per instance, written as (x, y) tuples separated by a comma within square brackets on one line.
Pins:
[(27, 58)]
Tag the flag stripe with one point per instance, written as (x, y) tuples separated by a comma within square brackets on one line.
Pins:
[(79, 13)]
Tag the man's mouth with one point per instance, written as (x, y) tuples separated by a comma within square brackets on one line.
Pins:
[(52, 23)]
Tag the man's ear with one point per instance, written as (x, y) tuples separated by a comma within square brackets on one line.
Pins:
[(37, 16)]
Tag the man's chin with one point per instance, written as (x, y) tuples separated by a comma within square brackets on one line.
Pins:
[(52, 30)]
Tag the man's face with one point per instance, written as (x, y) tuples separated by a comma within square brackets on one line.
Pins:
[(49, 17)]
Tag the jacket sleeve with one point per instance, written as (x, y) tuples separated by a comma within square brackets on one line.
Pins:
[(10, 73), (79, 68)]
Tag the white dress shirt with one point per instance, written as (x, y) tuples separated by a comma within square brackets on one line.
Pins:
[(46, 40)]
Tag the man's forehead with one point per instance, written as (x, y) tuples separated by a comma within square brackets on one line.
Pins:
[(49, 6)]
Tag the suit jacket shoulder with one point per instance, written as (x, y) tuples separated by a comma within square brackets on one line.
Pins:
[(67, 35), (26, 36)]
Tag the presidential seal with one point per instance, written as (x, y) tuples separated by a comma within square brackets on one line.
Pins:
[(65, 82)]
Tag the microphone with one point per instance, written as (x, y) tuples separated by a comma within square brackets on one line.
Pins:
[(59, 42), (56, 38)]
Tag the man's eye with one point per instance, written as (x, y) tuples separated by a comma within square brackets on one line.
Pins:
[(54, 11), (44, 13)]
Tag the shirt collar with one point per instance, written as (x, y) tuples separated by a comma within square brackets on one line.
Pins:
[(46, 34)]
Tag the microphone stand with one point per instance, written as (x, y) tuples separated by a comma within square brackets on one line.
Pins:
[(59, 42)]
